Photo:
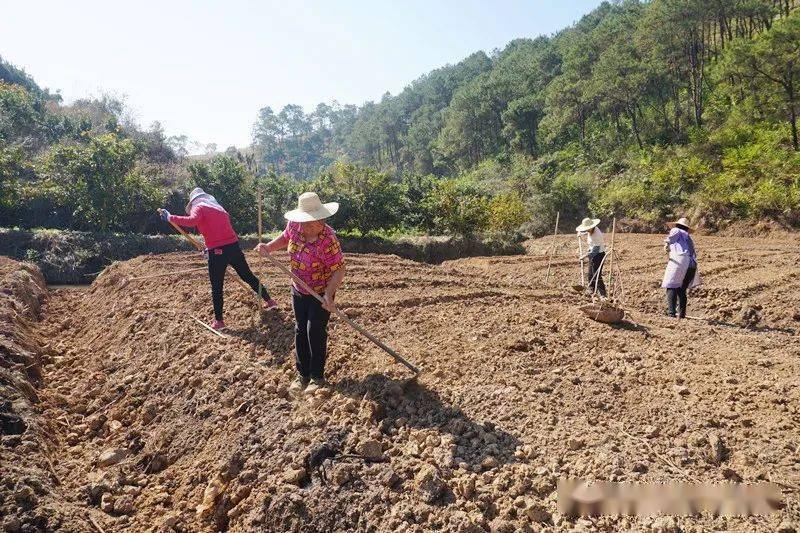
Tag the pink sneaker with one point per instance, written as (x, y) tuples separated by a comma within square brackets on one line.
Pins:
[(217, 325), (270, 304)]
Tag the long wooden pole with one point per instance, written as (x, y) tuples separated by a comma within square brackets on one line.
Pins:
[(260, 236), (165, 274), (580, 259), (397, 357), (552, 250), (611, 262), (209, 328), (260, 227), (188, 237)]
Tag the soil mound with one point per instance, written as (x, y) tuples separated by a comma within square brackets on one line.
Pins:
[(28, 485)]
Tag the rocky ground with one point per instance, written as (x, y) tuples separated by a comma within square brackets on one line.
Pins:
[(147, 421)]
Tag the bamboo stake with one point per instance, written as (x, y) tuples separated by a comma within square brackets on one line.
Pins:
[(257, 296), (580, 258), (611, 262), (552, 249), (397, 357), (621, 298), (260, 226)]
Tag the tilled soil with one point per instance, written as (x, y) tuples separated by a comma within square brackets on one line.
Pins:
[(158, 424)]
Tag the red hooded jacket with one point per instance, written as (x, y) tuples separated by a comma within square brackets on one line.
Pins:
[(214, 224)]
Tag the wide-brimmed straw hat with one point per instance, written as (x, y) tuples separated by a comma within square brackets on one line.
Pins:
[(587, 224), (310, 208), (683, 223)]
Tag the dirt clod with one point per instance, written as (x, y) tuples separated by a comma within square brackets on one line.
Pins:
[(428, 483), (575, 443), (370, 449)]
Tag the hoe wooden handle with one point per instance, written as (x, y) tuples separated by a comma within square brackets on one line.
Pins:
[(397, 357), (188, 237)]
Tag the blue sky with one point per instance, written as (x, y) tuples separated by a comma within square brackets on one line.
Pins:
[(205, 68)]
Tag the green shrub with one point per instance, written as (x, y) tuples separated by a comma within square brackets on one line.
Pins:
[(570, 194), (369, 200), (459, 208), (228, 181), (416, 212), (141, 197), (771, 198), (654, 186), (95, 178), (45, 203), (279, 194), (506, 213), (759, 178)]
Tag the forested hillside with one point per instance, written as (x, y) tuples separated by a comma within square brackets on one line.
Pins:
[(81, 166), (643, 110)]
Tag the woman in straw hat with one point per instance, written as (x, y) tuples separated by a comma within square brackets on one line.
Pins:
[(222, 248), (681, 272), (596, 251), (316, 258)]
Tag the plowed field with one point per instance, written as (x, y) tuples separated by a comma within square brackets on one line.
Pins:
[(148, 420)]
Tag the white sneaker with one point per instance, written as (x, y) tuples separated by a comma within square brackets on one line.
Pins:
[(315, 385), (298, 385)]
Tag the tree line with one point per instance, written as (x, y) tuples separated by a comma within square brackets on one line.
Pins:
[(616, 97), (642, 110)]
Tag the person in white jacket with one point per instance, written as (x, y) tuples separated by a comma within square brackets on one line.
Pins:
[(681, 272), (596, 252)]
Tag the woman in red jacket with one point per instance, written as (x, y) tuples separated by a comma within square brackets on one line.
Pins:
[(222, 247)]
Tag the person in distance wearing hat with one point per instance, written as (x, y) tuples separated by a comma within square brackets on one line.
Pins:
[(316, 258), (681, 272), (596, 251), (222, 248)]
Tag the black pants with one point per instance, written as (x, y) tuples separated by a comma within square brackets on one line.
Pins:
[(678, 295), (310, 335), (596, 273), (218, 261)]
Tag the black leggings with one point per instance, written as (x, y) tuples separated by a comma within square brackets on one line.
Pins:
[(310, 335), (678, 295), (218, 261), (596, 273)]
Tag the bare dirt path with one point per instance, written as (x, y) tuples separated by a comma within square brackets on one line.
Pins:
[(159, 416)]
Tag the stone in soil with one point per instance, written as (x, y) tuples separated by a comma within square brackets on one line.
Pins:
[(112, 456), (295, 476)]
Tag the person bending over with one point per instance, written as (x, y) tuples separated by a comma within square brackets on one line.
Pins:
[(222, 248)]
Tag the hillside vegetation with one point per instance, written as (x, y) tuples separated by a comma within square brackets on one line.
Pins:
[(643, 110)]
